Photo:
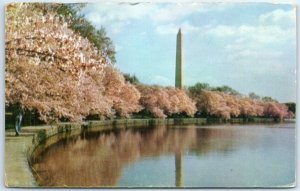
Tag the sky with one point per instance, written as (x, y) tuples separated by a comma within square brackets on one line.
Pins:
[(250, 47)]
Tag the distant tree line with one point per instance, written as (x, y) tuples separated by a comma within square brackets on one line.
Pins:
[(226, 102), (206, 101)]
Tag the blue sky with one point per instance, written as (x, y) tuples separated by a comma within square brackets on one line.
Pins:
[(250, 47)]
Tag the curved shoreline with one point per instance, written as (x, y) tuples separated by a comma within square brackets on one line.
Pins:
[(18, 172)]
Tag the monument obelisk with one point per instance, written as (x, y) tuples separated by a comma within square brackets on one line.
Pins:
[(179, 84), (179, 61)]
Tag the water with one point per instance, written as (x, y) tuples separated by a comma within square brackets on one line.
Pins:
[(184, 156)]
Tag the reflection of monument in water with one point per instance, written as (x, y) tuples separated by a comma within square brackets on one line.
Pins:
[(178, 169), (179, 84)]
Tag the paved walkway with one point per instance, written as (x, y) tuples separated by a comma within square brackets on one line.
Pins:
[(17, 170)]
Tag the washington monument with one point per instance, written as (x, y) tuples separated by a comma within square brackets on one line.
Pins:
[(179, 61), (179, 84)]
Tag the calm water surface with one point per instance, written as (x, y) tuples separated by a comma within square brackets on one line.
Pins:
[(187, 156)]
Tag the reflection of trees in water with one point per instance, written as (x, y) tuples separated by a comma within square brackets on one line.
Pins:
[(213, 140), (224, 140), (97, 158)]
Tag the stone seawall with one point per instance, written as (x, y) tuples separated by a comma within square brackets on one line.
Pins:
[(19, 151)]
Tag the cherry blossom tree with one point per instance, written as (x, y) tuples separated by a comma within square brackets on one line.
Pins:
[(213, 103), (247, 107), (276, 110), (180, 102), (53, 70), (43, 63), (233, 103), (125, 97), (219, 104), (162, 102)]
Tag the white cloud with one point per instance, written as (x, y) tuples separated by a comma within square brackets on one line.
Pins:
[(221, 31), (256, 44), (261, 46), (168, 29), (272, 27), (268, 29), (279, 17), (263, 50), (268, 34), (175, 11), (115, 16)]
